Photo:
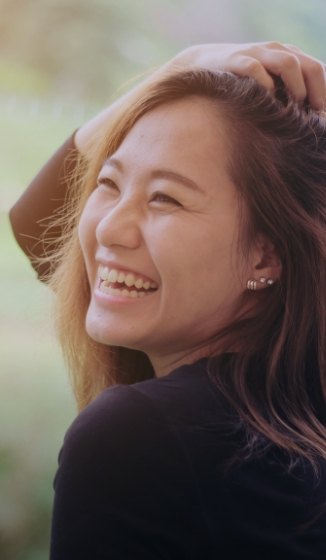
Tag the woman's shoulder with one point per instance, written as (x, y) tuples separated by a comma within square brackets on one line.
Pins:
[(146, 422), (120, 462), (155, 402), (119, 415)]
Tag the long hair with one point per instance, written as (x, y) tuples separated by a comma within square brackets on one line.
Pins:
[(276, 379)]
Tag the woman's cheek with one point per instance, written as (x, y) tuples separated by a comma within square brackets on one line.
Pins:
[(87, 242), (88, 222)]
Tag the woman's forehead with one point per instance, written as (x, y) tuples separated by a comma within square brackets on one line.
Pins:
[(189, 131)]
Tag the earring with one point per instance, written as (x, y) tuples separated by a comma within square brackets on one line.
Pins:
[(252, 284)]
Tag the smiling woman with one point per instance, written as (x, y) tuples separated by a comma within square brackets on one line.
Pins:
[(190, 275)]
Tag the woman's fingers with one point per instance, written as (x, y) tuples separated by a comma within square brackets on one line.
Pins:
[(287, 66), (314, 74), (303, 75), (244, 65)]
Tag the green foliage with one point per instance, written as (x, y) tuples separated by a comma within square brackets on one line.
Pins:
[(22, 79)]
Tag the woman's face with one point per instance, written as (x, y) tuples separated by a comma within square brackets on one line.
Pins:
[(159, 237)]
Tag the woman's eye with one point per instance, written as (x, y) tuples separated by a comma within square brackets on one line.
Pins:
[(106, 182), (161, 197)]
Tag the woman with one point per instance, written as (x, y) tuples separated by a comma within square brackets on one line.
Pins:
[(195, 253)]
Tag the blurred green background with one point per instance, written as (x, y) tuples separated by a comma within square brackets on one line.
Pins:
[(60, 61)]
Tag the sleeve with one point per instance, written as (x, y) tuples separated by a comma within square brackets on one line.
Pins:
[(121, 489), (44, 196)]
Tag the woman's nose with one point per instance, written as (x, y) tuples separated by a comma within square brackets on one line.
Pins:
[(120, 226)]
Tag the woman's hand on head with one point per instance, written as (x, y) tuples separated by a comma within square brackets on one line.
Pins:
[(303, 75)]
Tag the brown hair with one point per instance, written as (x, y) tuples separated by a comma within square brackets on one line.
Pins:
[(276, 379)]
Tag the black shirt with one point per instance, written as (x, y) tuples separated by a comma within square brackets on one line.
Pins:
[(140, 476)]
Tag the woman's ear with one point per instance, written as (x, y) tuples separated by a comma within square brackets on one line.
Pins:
[(266, 264)]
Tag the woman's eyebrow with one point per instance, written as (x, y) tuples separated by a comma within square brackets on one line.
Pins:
[(176, 177), (161, 174)]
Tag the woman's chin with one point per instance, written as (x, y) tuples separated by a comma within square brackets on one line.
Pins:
[(108, 335)]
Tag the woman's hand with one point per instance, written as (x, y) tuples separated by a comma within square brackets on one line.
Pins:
[(303, 75)]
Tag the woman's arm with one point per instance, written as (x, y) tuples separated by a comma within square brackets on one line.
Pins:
[(39, 202), (303, 76)]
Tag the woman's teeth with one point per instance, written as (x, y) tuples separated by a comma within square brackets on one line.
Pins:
[(121, 292), (111, 277)]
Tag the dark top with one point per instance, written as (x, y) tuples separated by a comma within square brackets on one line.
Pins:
[(140, 477)]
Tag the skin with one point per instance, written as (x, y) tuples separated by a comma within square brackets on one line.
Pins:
[(184, 239)]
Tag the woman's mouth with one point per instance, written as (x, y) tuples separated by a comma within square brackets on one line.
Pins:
[(124, 284)]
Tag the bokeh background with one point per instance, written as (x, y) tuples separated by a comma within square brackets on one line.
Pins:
[(61, 61)]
